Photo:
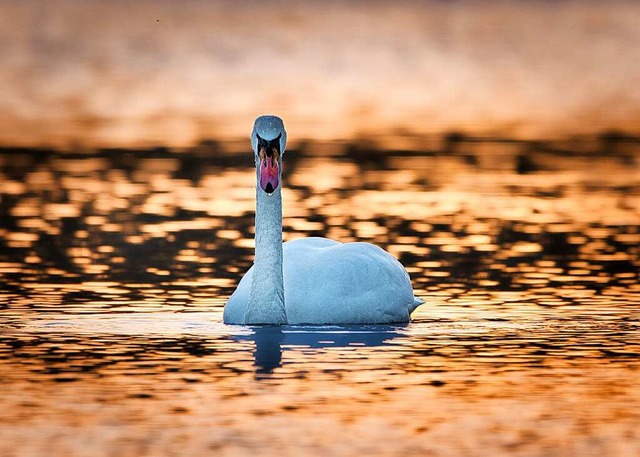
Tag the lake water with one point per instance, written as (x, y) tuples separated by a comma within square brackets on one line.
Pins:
[(115, 268)]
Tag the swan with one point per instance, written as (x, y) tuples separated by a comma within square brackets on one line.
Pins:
[(311, 280)]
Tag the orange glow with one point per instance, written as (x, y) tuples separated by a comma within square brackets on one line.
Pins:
[(465, 138)]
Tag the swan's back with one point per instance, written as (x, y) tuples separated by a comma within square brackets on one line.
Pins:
[(331, 282), (327, 282)]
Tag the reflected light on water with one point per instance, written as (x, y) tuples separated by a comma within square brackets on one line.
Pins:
[(115, 269)]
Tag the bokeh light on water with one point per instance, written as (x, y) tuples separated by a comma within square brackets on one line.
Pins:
[(115, 267)]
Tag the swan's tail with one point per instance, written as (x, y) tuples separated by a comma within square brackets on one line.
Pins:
[(416, 302)]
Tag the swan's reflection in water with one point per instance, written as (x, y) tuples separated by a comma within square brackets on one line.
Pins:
[(272, 341), (268, 352)]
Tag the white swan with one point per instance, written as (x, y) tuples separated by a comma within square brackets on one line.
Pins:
[(321, 281)]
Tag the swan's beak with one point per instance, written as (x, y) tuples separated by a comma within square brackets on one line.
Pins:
[(269, 173), (269, 163)]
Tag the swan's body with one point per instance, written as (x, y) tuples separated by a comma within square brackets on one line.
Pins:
[(326, 282), (311, 280)]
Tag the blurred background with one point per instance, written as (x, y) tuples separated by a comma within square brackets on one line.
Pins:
[(95, 73)]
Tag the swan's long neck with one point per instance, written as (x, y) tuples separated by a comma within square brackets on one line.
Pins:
[(266, 300)]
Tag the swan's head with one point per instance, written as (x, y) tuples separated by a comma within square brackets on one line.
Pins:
[(269, 140)]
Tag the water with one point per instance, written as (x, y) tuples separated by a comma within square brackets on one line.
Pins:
[(115, 268)]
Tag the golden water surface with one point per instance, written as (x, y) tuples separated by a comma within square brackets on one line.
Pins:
[(115, 267)]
